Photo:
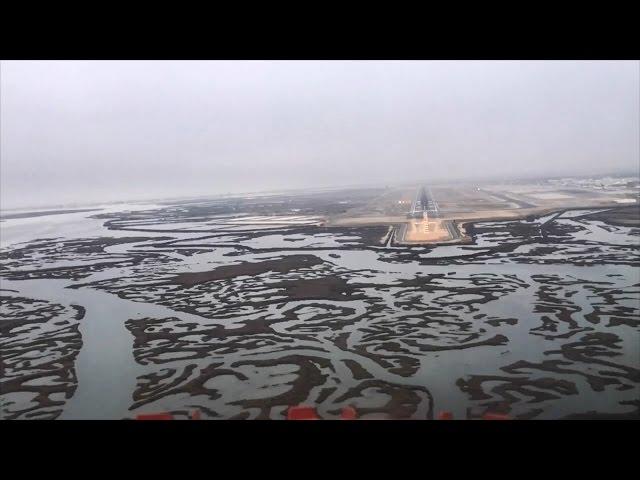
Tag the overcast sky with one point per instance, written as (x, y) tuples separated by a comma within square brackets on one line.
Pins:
[(76, 131)]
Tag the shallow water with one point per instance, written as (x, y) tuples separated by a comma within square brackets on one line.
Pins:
[(547, 329)]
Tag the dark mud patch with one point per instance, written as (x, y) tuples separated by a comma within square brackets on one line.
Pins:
[(325, 288), (402, 401), (283, 265), (44, 213), (39, 342), (628, 216), (359, 373)]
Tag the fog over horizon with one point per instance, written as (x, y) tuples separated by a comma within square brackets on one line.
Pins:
[(90, 131)]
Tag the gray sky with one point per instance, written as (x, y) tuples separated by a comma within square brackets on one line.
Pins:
[(75, 131)]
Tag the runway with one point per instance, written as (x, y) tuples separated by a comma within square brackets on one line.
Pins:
[(424, 202)]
